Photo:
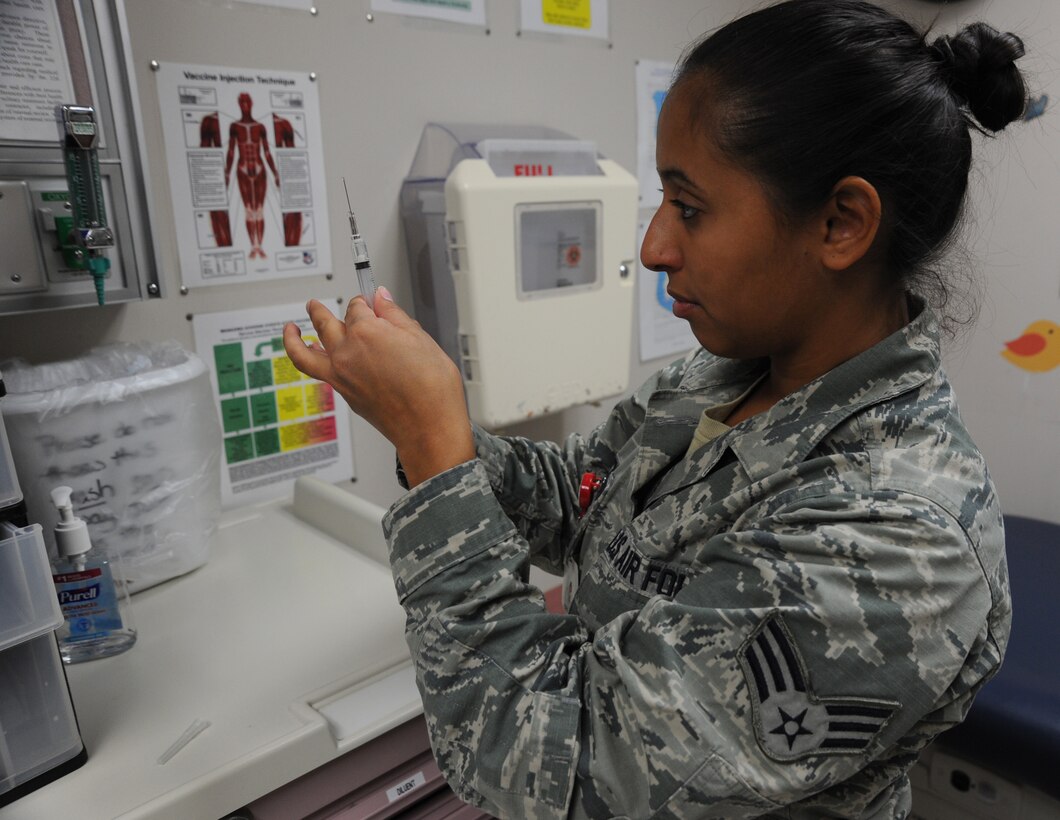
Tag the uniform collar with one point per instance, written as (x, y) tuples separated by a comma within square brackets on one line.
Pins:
[(672, 414), (782, 436)]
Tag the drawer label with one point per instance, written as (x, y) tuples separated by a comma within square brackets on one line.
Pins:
[(405, 787)]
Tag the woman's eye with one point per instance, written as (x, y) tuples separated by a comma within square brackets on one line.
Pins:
[(687, 211)]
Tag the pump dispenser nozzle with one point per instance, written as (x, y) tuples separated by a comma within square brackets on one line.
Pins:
[(71, 533)]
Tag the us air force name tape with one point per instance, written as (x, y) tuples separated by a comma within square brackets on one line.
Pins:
[(645, 575)]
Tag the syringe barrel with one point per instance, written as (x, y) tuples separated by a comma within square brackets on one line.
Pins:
[(366, 282)]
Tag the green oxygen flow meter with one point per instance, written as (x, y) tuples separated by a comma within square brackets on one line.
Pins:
[(90, 235)]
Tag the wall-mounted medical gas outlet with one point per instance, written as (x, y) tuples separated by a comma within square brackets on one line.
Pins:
[(37, 222), (72, 194)]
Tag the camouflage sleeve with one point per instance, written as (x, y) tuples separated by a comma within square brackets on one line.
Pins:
[(448, 538), (537, 482), (808, 646)]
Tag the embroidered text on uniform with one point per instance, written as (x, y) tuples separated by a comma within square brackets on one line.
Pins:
[(640, 572)]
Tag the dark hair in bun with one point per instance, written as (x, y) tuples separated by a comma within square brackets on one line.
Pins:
[(979, 64), (806, 92)]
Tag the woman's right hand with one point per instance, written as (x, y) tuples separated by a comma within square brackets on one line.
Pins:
[(393, 375)]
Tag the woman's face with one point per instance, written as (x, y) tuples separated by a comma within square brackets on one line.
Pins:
[(747, 285)]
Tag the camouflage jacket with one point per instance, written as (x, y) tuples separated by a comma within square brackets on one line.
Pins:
[(772, 627)]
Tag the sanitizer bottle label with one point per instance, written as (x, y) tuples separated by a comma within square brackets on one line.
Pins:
[(88, 602)]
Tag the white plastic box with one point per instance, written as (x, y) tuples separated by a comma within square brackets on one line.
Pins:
[(28, 604), (522, 246), (39, 739)]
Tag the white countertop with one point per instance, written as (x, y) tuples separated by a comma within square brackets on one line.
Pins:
[(289, 641)]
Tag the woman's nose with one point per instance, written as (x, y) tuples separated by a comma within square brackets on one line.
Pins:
[(658, 251)]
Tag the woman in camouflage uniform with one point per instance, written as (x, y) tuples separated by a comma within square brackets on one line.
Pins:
[(793, 577)]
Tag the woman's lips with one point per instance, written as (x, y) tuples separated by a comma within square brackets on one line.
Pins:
[(682, 308)]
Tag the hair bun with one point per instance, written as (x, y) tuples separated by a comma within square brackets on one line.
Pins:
[(979, 66)]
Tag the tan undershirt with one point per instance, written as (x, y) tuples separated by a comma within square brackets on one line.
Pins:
[(712, 422)]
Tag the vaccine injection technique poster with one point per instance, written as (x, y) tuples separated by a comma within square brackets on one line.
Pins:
[(278, 424), (246, 173)]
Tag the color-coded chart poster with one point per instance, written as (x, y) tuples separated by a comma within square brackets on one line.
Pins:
[(278, 424)]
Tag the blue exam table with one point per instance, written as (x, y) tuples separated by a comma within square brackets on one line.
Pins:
[(1013, 728)]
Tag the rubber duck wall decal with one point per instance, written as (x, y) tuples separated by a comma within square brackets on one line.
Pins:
[(1037, 349)]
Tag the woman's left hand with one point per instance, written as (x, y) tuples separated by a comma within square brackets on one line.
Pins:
[(393, 375)]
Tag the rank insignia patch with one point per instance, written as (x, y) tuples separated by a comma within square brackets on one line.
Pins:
[(791, 721)]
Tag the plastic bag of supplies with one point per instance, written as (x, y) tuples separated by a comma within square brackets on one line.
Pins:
[(132, 428)]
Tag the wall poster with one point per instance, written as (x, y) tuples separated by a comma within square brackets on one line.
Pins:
[(246, 173), (36, 74), (468, 12), (653, 80), (579, 18), (661, 333), (278, 424)]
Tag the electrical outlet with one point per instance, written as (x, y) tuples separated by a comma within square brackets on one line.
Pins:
[(973, 788)]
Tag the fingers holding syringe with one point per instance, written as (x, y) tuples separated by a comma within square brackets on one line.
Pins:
[(387, 368), (330, 330), (347, 346), (310, 359), (357, 310)]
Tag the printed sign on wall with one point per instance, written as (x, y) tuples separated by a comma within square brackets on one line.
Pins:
[(579, 18), (468, 12), (661, 333), (278, 424), (246, 171), (652, 81)]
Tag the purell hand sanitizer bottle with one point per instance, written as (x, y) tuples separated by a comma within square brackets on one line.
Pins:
[(95, 603)]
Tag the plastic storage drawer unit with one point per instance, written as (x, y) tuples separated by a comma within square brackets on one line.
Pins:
[(39, 739)]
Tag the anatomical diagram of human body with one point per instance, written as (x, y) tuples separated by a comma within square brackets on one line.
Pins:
[(210, 137), (249, 138)]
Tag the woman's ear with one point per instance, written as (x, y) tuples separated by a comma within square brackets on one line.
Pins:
[(851, 223)]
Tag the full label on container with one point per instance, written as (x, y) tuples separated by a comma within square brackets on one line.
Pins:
[(572, 13), (88, 601)]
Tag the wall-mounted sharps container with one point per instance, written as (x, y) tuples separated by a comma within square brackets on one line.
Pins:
[(522, 247)]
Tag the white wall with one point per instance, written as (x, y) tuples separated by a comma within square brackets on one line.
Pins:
[(1013, 248), (380, 82)]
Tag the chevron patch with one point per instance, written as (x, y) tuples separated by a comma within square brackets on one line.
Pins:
[(791, 721)]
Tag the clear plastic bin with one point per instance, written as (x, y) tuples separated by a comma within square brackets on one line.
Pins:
[(28, 604), (132, 428), (39, 740), (10, 494)]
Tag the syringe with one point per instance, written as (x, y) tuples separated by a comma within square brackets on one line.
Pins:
[(365, 277)]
